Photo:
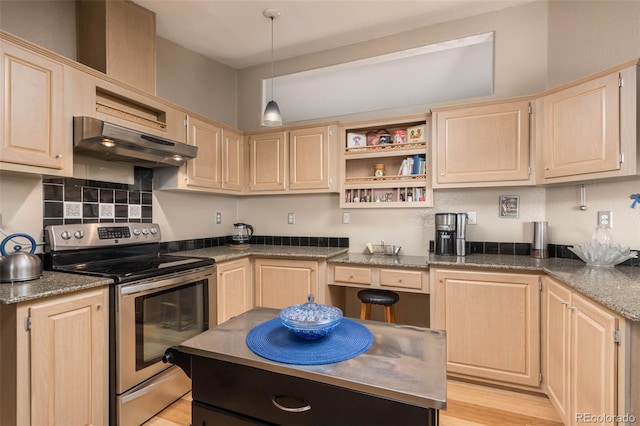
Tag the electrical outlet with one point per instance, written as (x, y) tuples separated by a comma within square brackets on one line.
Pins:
[(346, 217), (291, 218), (218, 218), (472, 218), (605, 219)]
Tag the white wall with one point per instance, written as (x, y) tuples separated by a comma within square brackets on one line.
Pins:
[(21, 205), (590, 36), (520, 58)]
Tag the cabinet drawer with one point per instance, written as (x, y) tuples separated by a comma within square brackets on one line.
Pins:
[(403, 279), (241, 391), (348, 274)]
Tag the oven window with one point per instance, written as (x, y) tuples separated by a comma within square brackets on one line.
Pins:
[(168, 318)]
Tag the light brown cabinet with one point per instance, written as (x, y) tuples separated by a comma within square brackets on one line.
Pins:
[(580, 354), (282, 282), (482, 144), (312, 158), (55, 360), (385, 278), (267, 161), (117, 37), (492, 322), (233, 161), (234, 288), (206, 169), (36, 122), (397, 183), (581, 128)]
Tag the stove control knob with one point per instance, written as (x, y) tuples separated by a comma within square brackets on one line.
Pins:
[(136, 231), (65, 235), (153, 231), (78, 234), (145, 231)]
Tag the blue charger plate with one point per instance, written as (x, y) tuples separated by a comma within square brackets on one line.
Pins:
[(273, 341)]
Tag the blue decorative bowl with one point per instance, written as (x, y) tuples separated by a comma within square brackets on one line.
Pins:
[(311, 321)]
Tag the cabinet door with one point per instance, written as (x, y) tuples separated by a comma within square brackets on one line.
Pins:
[(267, 159), (593, 359), (204, 170), (32, 110), (493, 324), (232, 160), (581, 128), (309, 158), (69, 360), (235, 290), (280, 283), (556, 334), (487, 143)]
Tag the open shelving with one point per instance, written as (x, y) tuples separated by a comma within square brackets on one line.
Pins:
[(401, 185)]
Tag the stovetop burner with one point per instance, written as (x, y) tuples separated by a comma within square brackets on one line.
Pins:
[(122, 252)]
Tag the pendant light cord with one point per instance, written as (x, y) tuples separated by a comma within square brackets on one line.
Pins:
[(272, 95)]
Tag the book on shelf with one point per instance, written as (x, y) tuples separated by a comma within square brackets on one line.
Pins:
[(416, 165)]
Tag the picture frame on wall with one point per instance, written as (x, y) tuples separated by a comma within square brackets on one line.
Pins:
[(509, 206)]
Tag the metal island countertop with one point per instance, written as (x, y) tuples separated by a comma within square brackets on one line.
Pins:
[(405, 363)]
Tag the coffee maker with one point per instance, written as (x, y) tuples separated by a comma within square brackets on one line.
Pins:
[(451, 234)]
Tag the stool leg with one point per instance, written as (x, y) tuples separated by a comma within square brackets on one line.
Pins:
[(389, 314), (365, 311)]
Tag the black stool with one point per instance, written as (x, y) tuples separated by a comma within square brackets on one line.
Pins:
[(385, 298)]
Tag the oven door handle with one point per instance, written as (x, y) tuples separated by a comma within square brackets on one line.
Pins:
[(155, 285)]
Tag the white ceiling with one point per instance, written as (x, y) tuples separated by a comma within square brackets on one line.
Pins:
[(235, 33)]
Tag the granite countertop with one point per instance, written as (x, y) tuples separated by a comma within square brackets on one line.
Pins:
[(224, 253), (616, 288), (50, 284)]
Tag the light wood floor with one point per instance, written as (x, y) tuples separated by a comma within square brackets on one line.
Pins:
[(467, 405)]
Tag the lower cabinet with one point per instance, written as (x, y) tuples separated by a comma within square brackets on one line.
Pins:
[(55, 360), (282, 282), (227, 393), (234, 288), (492, 322), (580, 354)]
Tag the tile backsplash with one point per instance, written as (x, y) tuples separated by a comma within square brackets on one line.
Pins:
[(70, 200)]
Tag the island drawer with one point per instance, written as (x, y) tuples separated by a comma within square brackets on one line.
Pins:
[(351, 274), (253, 393)]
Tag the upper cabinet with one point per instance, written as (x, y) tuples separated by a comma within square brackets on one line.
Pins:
[(386, 164), (205, 170), (296, 160), (486, 144), (267, 156), (587, 129), (117, 37), (310, 163), (36, 123), (219, 165)]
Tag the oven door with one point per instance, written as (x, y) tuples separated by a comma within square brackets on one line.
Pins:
[(153, 315)]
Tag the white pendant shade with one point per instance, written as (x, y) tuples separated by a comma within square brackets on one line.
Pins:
[(272, 116)]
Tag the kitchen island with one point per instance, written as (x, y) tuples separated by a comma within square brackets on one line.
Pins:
[(401, 379)]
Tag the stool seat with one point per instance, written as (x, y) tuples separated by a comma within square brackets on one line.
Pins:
[(385, 298), (378, 297)]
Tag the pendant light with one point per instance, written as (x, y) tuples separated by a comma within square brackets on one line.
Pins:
[(271, 116)]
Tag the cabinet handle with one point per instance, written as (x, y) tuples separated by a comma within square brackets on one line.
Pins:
[(351, 276), (564, 303), (305, 407), (98, 307), (546, 168), (58, 156), (571, 307)]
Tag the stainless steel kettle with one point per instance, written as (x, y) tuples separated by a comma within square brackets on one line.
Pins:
[(19, 265)]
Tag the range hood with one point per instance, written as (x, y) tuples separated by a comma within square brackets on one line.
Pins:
[(107, 141)]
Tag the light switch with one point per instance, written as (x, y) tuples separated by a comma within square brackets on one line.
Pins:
[(346, 217), (472, 218)]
